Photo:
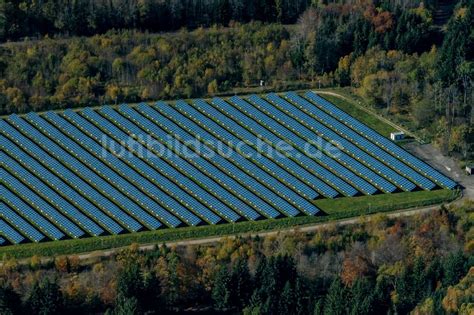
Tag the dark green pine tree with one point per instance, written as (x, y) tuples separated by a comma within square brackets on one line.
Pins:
[(362, 297), (382, 303), (286, 304), (454, 268), (221, 292), (45, 298), (242, 284), (405, 291), (125, 306), (10, 301), (458, 43), (335, 300), (129, 282)]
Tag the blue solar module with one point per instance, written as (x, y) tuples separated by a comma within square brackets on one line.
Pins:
[(210, 185), (2, 241), (122, 168), (322, 130), (301, 136), (271, 143), (10, 233), (19, 223), (324, 142), (30, 214), (41, 205), (383, 142), (354, 137), (159, 179), (201, 164), (72, 179), (75, 165), (100, 168), (262, 154), (48, 194), (306, 165), (210, 165), (271, 189), (244, 150), (226, 164), (59, 186), (113, 131)]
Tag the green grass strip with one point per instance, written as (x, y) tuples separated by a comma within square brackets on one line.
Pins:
[(369, 119)]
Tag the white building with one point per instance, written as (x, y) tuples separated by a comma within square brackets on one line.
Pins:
[(397, 136)]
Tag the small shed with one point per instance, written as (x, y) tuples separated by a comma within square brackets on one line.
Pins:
[(469, 169), (397, 136)]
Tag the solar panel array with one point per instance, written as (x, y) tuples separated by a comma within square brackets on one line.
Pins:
[(125, 169)]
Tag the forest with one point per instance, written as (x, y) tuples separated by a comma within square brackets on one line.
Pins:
[(392, 54), (422, 264)]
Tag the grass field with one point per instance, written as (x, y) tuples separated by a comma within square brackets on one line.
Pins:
[(336, 209), (370, 120), (383, 201)]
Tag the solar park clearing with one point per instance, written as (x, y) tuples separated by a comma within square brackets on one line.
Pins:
[(131, 168)]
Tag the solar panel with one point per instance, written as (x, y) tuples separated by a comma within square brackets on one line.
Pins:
[(107, 174), (222, 186), (59, 186), (52, 197), (213, 165), (20, 224), (126, 171), (279, 166), (383, 142), (264, 183), (41, 205), (266, 127), (10, 233), (72, 179), (159, 179), (225, 132), (30, 214), (335, 158), (203, 196), (356, 139), (77, 167)]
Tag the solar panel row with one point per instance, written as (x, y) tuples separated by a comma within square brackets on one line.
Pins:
[(212, 165), (315, 161), (16, 221), (10, 233), (284, 158), (206, 198), (333, 156), (115, 149), (383, 142), (219, 181), (59, 186), (355, 138), (76, 182), (96, 181), (268, 185)]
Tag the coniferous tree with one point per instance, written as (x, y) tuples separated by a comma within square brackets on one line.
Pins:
[(221, 293), (336, 299), (45, 298), (10, 301)]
